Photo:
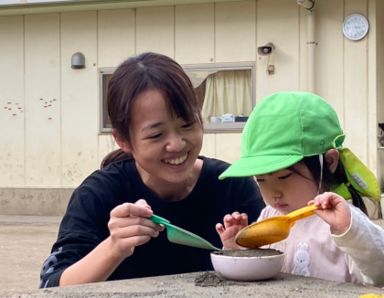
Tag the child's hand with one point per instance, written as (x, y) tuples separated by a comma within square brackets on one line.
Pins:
[(233, 223), (334, 210)]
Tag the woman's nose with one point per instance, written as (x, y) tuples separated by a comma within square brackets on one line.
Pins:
[(176, 142)]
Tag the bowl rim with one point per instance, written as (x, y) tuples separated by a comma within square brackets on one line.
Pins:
[(282, 254)]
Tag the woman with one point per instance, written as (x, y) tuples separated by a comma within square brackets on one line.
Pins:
[(106, 233)]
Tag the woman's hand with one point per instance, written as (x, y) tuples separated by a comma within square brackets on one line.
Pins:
[(334, 210), (129, 227), (233, 223)]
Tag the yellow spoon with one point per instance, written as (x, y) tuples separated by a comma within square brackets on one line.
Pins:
[(271, 230)]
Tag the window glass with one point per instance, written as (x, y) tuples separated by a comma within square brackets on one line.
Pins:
[(226, 94), (105, 121)]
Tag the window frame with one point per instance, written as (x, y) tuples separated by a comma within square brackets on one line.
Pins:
[(103, 129), (208, 127)]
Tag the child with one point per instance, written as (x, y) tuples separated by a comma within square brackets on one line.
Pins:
[(106, 232), (292, 144)]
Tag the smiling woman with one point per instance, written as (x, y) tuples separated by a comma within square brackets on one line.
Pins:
[(106, 232)]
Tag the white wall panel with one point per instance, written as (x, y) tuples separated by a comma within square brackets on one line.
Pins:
[(329, 53), (284, 34), (42, 100), (209, 145), (12, 109), (116, 36), (106, 145), (228, 146), (374, 64), (195, 34), (356, 87), (155, 30), (303, 51), (235, 31), (380, 86), (79, 97)]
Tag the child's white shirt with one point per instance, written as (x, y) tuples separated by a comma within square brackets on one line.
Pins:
[(311, 250)]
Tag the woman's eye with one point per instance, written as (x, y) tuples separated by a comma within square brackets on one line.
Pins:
[(259, 180), (188, 125), (155, 136)]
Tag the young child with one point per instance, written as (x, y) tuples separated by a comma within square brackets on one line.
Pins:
[(106, 232), (292, 144)]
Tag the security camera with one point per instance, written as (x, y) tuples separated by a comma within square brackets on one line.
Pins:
[(266, 49)]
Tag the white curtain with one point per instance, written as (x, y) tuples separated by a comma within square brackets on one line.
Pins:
[(228, 92)]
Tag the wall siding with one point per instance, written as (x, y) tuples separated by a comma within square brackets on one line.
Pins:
[(42, 101), (12, 102), (54, 141), (355, 94), (155, 30), (115, 36), (80, 104), (330, 43), (194, 33), (378, 12), (285, 37), (235, 31)]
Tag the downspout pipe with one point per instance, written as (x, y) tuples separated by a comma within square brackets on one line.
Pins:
[(311, 43)]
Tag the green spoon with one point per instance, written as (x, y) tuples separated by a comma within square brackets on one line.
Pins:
[(180, 236)]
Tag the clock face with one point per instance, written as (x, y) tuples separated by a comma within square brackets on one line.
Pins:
[(355, 26)]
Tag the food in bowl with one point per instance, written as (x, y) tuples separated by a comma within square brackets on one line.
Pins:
[(247, 264)]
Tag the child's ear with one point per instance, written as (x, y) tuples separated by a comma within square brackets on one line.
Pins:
[(123, 144), (332, 159)]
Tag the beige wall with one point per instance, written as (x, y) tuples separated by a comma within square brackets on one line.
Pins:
[(379, 86), (49, 113)]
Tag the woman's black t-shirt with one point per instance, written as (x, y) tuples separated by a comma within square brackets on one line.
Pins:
[(84, 224)]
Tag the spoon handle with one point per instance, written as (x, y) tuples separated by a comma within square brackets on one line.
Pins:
[(159, 220), (302, 212)]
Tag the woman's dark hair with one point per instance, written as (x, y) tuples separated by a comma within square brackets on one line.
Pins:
[(149, 71), (336, 178), (114, 156)]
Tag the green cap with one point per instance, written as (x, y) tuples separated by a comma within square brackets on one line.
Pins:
[(284, 128)]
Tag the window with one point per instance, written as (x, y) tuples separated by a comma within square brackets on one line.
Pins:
[(226, 93), (104, 77)]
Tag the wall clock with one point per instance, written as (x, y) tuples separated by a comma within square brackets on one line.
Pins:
[(355, 26)]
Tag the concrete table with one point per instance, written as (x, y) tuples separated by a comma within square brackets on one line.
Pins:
[(207, 284)]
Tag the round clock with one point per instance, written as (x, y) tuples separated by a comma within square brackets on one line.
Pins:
[(355, 26)]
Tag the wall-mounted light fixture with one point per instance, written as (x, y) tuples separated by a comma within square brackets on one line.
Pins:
[(307, 4), (267, 50), (78, 60)]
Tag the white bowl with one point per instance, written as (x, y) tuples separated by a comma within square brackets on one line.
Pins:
[(266, 264)]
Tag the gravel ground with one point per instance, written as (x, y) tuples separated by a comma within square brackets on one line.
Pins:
[(25, 242)]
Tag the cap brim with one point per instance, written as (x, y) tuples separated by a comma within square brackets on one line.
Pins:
[(259, 165)]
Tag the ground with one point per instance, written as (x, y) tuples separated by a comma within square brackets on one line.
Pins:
[(25, 242)]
